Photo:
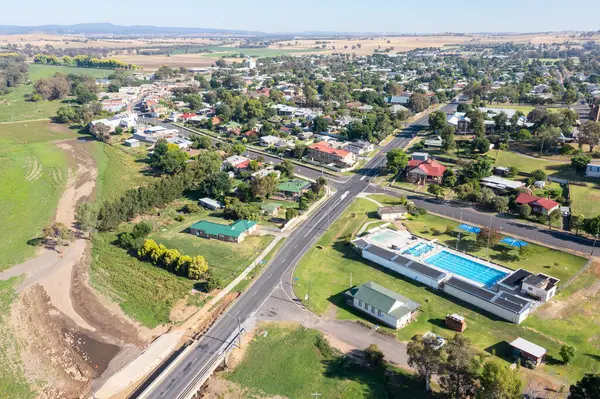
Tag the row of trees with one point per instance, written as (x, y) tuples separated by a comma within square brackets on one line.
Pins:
[(83, 61), (194, 268), (13, 72)]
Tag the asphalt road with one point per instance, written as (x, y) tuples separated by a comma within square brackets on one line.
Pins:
[(301, 239)]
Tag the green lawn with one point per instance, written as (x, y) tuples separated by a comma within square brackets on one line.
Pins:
[(242, 285), (226, 259), (585, 200), (288, 363), (329, 270), (145, 292), (33, 174), (522, 162), (13, 384), (525, 109)]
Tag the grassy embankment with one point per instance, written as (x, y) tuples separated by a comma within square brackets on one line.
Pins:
[(33, 172), (287, 362), (329, 270)]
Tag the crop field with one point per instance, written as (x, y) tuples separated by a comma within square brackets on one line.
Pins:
[(33, 172), (329, 270)]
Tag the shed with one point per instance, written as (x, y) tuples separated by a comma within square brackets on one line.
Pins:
[(271, 208), (132, 143), (526, 350), (210, 203), (392, 212), (456, 322)]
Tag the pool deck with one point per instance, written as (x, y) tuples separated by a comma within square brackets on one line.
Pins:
[(404, 241)]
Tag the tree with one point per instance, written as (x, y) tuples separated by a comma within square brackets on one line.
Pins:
[(418, 102), (449, 178), (204, 142), (447, 135), (397, 160), (524, 211), (460, 369), (539, 174), (437, 120), (238, 149), (290, 213), (86, 215), (480, 144), (66, 114), (580, 161), (499, 382), (299, 150), (589, 133), (500, 121), (577, 222), (57, 234), (554, 217), (197, 268), (500, 204), (587, 388), (100, 131), (424, 354), (374, 356), (286, 168), (216, 184), (319, 124), (525, 252), (264, 187), (486, 236), (479, 127), (592, 226), (142, 229), (567, 352), (523, 135), (436, 190), (480, 168)]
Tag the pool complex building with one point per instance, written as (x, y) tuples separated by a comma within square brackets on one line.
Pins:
[(509, 294)]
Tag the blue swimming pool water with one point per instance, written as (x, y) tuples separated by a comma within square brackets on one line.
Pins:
[(419, 249), (467, 268)]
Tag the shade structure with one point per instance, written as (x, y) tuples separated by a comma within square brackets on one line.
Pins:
[(514, 242), (469, 229)]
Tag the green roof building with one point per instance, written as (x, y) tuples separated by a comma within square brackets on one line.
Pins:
[(382, 304), (293, 187), (271, 208), (234, 232)]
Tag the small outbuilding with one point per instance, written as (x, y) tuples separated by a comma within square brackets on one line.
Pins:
[(132, 143), (528, 351), (456, 322), (392, 212), (270, 208), (210, 203)]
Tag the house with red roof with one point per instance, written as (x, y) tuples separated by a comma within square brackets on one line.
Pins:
[(323, 152), (539, 205), (421, 171)]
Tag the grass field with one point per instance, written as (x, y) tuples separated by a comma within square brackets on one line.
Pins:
[(118, 171), (522, 162), (33, 174), (14, 107), (37, 71), (242, 285), (585, 200), (329, 270), (287, 363), (226, 259), (525, 109), (145, 292), (13, 384)]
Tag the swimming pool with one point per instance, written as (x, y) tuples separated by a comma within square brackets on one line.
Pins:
[(465, 267), (389, 238), (419, 249)]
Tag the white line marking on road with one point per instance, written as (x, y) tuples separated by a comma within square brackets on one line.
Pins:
[(363, 178), (269, 276)]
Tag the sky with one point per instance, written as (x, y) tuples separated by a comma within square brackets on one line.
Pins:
[(398, 16)]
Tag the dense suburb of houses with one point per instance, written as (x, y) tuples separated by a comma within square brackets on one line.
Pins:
[(513, 131)]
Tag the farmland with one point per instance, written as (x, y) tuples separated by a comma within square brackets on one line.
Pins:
[(329, 268), (33, 171)]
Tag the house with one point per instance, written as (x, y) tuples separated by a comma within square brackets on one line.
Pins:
[(397, 108), (592, 170), (124, 121), (382, 304), (264, 173), (500, 184), (234, 232), (421, 171), (360, 147), (539, 205), (539, 286), (324, 153), (400, 100), (210, 203), (231, 127), (270, 208), (267, 141), (305, 135), (293, 188), (392, 212), (435, 142), (456, 322), (528, 351), (132, 143), (237, 162)]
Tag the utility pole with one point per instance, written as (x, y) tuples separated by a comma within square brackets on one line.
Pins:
[(309, 293), (489, 236), (350, 279), (457, 241), (594, 247), (239, 329)]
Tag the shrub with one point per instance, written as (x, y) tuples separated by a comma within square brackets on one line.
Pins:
[(142, 229), (192, 208), (435, 231), (212, 282), (539, 174), (179, 218), (326, 350), (374, 356)]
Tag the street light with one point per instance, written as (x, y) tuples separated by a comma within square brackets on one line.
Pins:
[(594, 246), (239, 329)]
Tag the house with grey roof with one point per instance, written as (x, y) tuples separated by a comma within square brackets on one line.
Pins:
[(382, 304)]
